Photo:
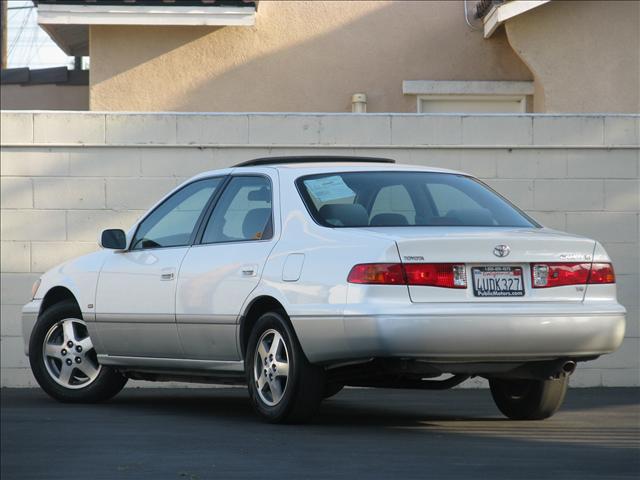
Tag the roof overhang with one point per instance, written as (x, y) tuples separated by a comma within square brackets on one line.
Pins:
[(503, 12), (67, 24)]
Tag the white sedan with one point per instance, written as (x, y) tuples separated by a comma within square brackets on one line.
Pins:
[(298, 276)]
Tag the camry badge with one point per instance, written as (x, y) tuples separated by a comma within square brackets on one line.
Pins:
[(501, 250)]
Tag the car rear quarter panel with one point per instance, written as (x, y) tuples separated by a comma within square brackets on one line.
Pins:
[(326, 256), (321, 289)]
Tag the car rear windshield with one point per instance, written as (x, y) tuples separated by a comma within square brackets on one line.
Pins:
[(400, 199)]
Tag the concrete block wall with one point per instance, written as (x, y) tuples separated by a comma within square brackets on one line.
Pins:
[(66, 176)]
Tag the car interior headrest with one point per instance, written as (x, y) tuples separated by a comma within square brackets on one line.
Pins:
[(345, 215), (255, 223), (260, 195), (471, 216), (388, 220)]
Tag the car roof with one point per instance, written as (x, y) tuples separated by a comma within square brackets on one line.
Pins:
[(325, 164)]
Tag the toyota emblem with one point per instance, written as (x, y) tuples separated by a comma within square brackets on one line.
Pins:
[(501, 250)]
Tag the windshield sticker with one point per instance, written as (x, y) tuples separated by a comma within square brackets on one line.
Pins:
[(327, 189)]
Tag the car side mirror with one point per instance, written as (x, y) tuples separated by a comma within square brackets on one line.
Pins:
[(114, 239)]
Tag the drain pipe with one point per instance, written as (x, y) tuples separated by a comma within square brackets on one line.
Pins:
[(359, 103)]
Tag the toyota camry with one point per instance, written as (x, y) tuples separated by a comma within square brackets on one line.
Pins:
[(299, 276)]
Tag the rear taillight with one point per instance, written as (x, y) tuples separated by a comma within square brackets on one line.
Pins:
[(545, 275), (377, 273), (557, 274), (602, 273), (446, 275)]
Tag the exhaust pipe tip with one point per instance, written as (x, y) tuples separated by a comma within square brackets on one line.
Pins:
[(569, 367)]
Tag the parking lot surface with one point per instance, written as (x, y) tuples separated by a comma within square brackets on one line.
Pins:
[(359, 434)]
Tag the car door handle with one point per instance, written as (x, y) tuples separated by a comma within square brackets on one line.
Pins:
[(249, 270), (167, 274)]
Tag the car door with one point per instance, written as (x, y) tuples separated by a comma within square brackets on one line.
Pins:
[(220, 271), (135, 297)]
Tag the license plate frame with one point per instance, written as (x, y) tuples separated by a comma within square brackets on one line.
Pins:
[(500, 279)]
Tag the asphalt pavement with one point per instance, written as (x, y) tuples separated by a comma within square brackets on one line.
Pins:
[(212, 433)]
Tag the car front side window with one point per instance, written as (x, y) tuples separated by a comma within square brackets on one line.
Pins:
[(172, 223)]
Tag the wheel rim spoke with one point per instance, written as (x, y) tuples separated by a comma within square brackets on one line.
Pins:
[(54, 351), (65, 373), (69, 333), (88, 369), (282, 369), (276, 390), (262, 381), (86, 344), (275, 345), (262, 351)]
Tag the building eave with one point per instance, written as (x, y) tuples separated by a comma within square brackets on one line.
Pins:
[(68, 24), (498, 14)]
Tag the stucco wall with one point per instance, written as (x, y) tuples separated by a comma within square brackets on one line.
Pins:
[(584, 55), (44, 97), (67, 176), (300, 57)]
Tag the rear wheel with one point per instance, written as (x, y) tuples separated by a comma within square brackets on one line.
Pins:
[(64, 361), (529, 399), (283, 386)]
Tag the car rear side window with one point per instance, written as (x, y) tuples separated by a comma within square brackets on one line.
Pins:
[(243, 212), (399, 199)]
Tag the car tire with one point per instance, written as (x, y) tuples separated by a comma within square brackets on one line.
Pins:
[(331, 389), (285, 388), (63, 360), (529, 399)]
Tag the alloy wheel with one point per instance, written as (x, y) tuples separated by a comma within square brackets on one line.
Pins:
[(271, 367), (68, 354)]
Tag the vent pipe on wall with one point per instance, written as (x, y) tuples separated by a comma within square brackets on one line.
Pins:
[(359, 103)]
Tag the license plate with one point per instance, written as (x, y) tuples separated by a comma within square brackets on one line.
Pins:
[(497, 281)]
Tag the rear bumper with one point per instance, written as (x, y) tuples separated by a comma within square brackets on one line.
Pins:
[(465, 333)]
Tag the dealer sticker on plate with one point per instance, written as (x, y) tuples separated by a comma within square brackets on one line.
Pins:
[(497, 281)]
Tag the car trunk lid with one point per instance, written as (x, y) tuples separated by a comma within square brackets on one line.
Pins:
[(489, 249)]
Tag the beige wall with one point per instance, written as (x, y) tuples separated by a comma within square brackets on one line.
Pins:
[(44, 97), (66, 176), (300, 57), (584, 55)]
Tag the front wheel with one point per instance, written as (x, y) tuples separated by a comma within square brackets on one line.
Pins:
[(283, 386), (63, 359), (529, 399)]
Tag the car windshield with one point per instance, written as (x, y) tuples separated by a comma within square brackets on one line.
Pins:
[(400, 199)]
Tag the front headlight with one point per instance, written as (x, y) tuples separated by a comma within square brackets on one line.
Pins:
[(35, 287)]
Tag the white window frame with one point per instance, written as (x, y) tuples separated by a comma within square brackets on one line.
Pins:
[(521, 99)]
